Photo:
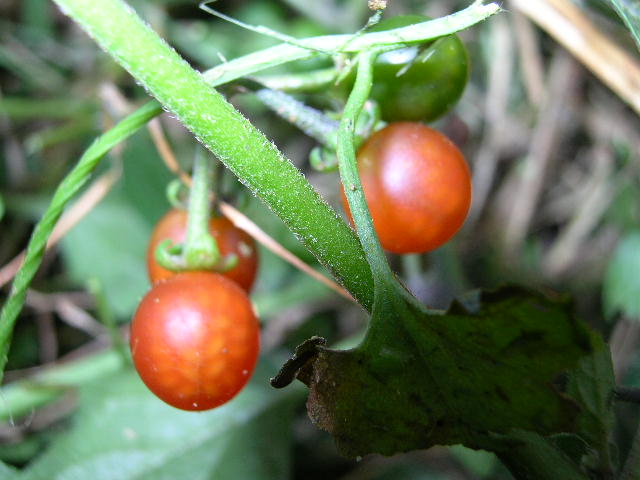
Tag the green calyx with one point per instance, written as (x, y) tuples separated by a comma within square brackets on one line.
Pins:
[(200, 250)]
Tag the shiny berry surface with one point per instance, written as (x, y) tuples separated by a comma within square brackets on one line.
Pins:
[(195, 340), (417, 185)]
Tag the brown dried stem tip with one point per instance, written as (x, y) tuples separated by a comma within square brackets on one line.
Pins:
[(376, 5)]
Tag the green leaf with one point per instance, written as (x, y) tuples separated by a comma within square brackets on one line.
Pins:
[(145, 178), (110, 244), (480, 463), (531, 456), (422, 379), (591, 385), (7, 472), (629, 11), (122, 432), (572, 446), (22, 397), (621, 288), (406, 471)]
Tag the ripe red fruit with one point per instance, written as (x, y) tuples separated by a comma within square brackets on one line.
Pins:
[(195, 340), (417, 185)]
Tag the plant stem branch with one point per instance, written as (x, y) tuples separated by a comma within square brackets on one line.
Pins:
[(311, 121), (200, 249), (224, 131), (308, 47), (349, 169)]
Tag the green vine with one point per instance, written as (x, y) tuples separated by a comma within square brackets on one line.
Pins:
[(349, 171), (308, 47), (69, 187), (229, 135), (311, 121), (133, 44)]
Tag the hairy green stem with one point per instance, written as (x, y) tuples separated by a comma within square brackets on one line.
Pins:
[(311, 121), (125, 37), (116, 27), (230, 136), (389, 295)]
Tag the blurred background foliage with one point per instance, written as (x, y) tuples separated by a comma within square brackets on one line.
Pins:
[(557, 206)]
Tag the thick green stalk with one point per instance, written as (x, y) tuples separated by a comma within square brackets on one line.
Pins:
[(121, 33), (124, 35), (224, 131)]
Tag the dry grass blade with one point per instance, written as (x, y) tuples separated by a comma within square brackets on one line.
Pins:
[(243, 222), (165, 151), (67, 309), (500, 79), (569, 26), (597, 195), (551, 125), (531, 61)]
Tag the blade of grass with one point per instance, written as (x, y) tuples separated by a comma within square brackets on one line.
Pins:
[(629, 12), (72, 183)]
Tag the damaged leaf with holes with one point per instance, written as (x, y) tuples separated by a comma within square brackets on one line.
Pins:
[(496, 364)]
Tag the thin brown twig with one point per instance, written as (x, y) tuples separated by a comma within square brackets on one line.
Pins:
[(531, 63), (67, 309), (47, 338), (14, 155), (166, 152), (597, 195), (243, 222), (238, 218)]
